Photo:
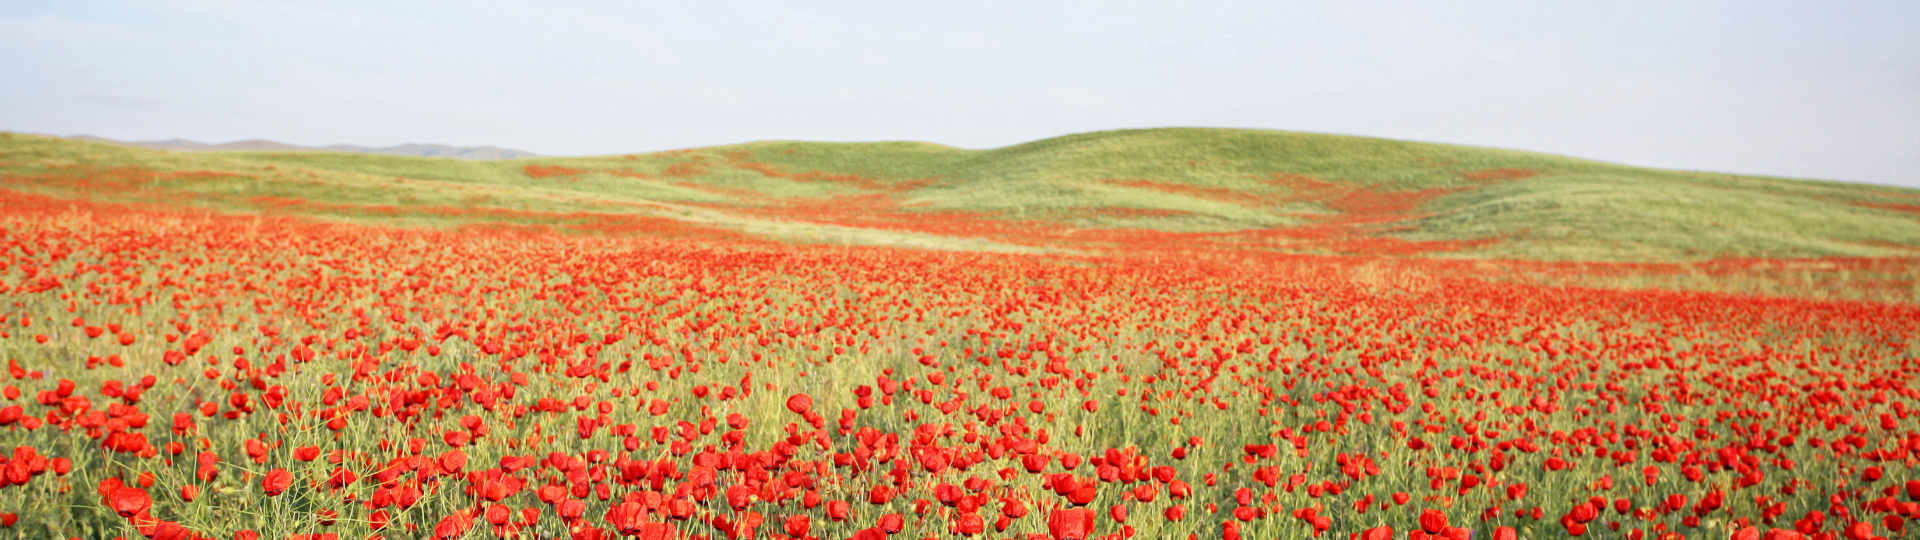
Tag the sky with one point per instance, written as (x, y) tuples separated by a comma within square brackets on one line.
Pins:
[(1827, 90)]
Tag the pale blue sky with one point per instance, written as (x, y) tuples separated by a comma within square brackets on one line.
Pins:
[(1808, 89)]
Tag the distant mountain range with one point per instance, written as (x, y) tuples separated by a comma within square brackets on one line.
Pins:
[(409, 149)]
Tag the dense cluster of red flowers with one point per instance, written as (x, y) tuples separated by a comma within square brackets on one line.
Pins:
[(177, 376)]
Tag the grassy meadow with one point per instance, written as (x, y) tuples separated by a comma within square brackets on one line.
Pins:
[(1168, 333)]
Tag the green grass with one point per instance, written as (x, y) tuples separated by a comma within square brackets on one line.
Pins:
[(1615, 216), (1571, 209)]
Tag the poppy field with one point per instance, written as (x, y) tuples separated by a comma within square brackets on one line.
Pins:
[(176, 372)]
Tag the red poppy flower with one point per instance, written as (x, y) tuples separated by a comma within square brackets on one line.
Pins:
[(276, 481), (1070, 523), (800, 403), (128, 501), (1433, 521)]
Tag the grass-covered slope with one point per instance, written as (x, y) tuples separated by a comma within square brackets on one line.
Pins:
[(1132, 189)]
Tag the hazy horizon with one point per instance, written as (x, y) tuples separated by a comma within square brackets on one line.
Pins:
[(1777, 89)]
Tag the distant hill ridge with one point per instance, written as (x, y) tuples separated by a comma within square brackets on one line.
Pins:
[(1136, 189), (409, 149)]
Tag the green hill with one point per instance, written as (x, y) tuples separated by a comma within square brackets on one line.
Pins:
[(1132, 189)]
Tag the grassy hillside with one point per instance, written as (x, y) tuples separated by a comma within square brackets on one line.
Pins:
[(1114, 190)]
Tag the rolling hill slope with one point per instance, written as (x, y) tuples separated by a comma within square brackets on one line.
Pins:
[(1160, 189)]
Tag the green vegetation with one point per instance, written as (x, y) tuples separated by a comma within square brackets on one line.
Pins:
[(1514, 204)]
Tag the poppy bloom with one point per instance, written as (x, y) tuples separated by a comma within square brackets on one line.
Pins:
[(1433, 521), (797, 525), (969, 524), (627, 517), (800, 403), (128, 501), (276, 481), (1070, 523)]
